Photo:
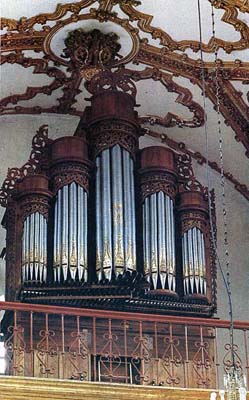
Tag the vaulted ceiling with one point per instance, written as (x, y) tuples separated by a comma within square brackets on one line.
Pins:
[(160, 49)]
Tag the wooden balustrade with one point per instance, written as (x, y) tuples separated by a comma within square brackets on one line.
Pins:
[(120, 347)]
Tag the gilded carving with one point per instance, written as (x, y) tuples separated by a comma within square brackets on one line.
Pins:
[(92, 50), (23, 34)]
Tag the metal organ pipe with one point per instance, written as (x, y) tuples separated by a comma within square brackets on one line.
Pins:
[(157, 182), (117, 209), (194, 266), (115, 213), (34, 248), (70, 174), (159, 241), (107, 254), (114, 143), (153, 240), (70, 233), (193, 211)]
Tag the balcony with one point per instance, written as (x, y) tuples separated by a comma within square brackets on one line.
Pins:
[(122, 348)]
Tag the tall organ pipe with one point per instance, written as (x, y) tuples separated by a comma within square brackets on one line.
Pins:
[(193, 213), (107, 255), (70, 173), (158, 187), (115, 213), (114, 143), (117, 208)]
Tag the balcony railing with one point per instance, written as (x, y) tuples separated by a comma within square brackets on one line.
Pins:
[(104, 346)]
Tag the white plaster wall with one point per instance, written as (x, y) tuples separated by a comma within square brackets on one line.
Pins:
[(238, 245)]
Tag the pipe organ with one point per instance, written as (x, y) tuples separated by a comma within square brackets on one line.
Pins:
[(34, 248), (70, 233), (104, 221), (194, 237), (115, 213), (70, 175), (158, 189), (114, 145)]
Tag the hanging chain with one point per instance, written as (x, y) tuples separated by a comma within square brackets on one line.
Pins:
[(222, 181), (226, 278), (222, 177)]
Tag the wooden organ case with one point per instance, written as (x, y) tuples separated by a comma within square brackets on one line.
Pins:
[(94, 222), (96, 215)]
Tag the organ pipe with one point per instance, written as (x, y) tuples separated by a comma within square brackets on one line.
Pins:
[(193, 215), (70, 233), (107, 254), (34, 248), (146, 236), (153, 241), (99, 238), (115, 213), (159, 241), (194, 266), (70, 174), (157, 185)]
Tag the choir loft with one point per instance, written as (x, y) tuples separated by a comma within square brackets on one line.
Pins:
[(114, 225)]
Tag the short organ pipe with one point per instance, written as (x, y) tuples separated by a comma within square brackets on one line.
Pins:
[(193, 216), (159, 241), (34, 248), (194, 267)]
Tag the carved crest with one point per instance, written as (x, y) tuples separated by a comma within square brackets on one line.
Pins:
[(91, 51)]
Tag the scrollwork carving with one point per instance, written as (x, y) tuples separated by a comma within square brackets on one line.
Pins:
[(186, 174), (107, 80), (40, 67), (37, 161)]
